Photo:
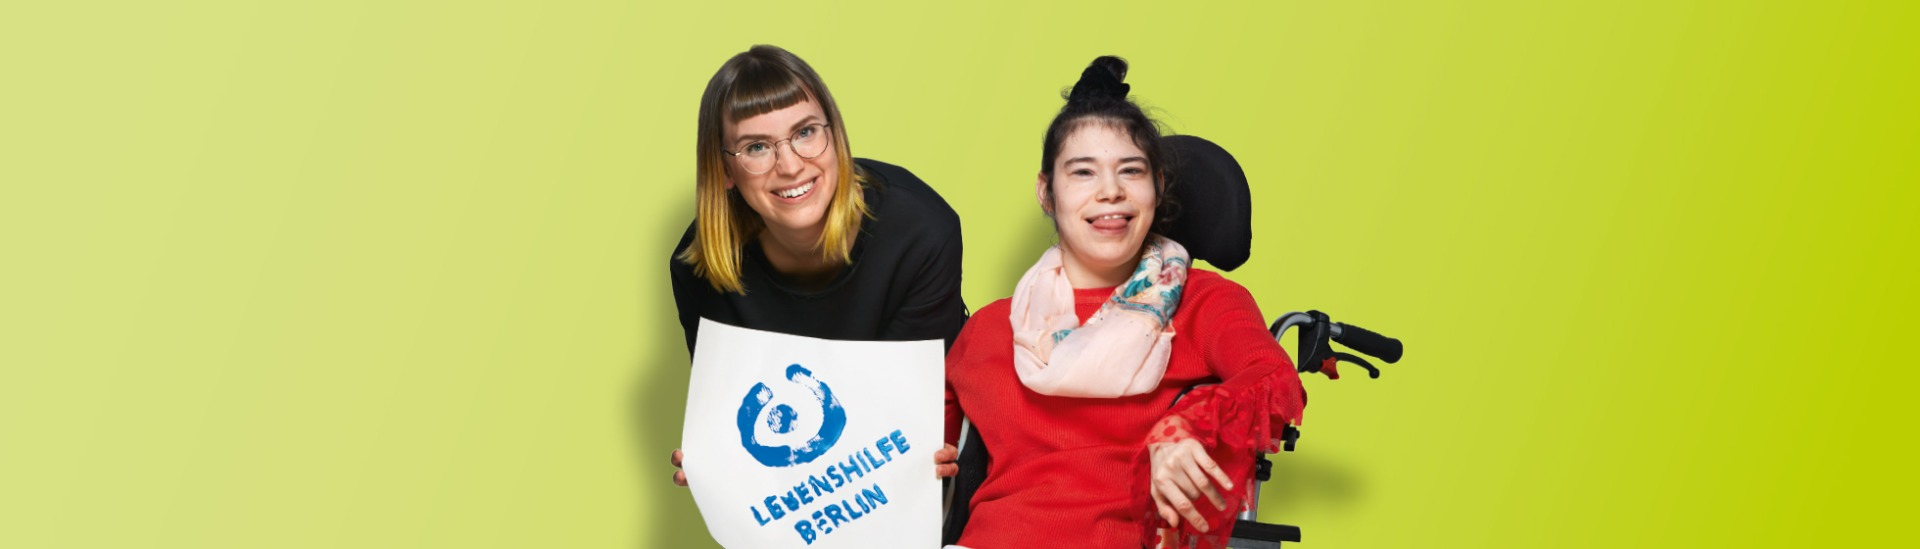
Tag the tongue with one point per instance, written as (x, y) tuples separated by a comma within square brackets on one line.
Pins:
[(1110, 223)]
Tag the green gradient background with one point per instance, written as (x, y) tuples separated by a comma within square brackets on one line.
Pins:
[(392, 274)]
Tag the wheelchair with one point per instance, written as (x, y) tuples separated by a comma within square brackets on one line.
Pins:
[(1208, 179)]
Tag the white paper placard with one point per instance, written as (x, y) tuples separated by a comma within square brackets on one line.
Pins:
[(811, 443)]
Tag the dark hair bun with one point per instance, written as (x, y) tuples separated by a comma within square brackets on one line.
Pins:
[(1105, 78)]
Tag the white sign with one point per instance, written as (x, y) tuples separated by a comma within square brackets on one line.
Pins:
[(810, 443)]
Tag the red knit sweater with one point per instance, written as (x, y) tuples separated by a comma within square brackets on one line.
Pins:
[(1071, 472)]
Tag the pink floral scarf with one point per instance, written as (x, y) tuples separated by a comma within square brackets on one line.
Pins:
[(1123, 348)]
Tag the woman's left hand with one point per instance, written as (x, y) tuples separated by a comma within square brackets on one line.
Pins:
[(1182, 473), (943, 461)]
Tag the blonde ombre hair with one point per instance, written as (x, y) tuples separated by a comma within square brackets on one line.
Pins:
[(755, 82)]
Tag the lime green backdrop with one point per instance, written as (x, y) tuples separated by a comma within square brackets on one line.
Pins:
[(392, 274)]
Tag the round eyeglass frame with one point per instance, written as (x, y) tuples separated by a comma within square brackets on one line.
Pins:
[(773, 153)]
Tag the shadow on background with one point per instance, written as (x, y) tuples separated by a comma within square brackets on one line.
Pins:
[(1306, 480), (658, 407)]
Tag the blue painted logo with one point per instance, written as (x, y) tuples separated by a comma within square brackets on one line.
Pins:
[(781, 420)]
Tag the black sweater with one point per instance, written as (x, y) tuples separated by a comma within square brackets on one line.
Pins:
[(903, 284)]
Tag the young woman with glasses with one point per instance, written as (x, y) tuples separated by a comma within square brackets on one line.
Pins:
[(792, 234)]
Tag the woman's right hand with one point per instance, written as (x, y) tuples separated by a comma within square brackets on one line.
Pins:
[(1181, 474), (679, 476)]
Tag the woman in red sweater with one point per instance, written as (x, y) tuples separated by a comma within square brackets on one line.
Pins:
[(1072, 381)]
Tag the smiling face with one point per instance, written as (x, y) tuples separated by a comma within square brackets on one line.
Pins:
[(1102, 201), (793, 197)]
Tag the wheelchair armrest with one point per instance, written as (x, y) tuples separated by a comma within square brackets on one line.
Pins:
[(1248, 534), (973, 463)]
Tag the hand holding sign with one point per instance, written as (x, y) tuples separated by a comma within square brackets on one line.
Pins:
[(944, 461), (679, 476)]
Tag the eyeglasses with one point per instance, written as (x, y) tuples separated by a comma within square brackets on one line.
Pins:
[(807, 142)]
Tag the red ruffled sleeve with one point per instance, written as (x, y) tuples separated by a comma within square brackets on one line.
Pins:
[(1236, 426)]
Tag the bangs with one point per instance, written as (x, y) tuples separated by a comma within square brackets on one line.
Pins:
[(761, 90)]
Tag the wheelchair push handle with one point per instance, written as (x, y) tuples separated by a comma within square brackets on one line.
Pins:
[(1367, 342), (1318, 332)]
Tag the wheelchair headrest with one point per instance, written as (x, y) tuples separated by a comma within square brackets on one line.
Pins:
[(1215, 221)]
